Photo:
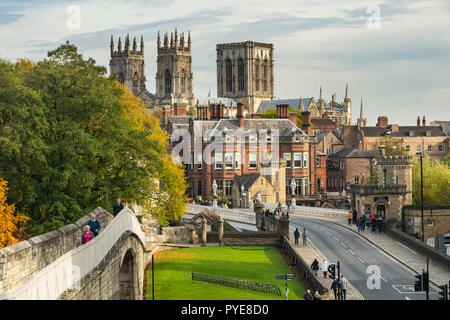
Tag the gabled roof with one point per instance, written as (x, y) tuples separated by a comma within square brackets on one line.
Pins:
[(247, 180), (294, 103)]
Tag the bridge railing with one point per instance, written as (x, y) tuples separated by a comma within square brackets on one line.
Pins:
[(312, 210), (66, 272), (227, 214)]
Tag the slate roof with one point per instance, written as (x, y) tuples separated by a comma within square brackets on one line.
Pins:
[(285, 126), (354, 153), (445, 125), (294, 103), (323, 122), (321, 136), (247, 180), (404, 131)]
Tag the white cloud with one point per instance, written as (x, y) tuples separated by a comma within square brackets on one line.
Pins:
[(402, 68)]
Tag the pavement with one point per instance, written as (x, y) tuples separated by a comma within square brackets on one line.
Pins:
[(309, 252)]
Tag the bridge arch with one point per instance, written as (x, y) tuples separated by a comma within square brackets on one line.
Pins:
[(128, 276)]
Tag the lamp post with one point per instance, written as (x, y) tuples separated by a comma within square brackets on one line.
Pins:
[(421, 192), (214, 187), (242, 192)]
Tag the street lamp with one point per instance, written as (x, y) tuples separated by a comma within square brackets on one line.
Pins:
[(421, 191), (242, 193)]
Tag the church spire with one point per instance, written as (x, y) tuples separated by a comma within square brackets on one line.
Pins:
[(189, 40), (119, 46), (361, 111), (158, 41), (166, 41), (176, 38), (142, 44), (112, 45), (346, 91), (134, 45), (127, 43)]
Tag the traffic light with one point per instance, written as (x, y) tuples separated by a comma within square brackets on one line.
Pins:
[(418, 285), (444, 292), (332, 271), (426, 281)]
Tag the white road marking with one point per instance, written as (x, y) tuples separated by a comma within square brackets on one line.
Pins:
[(362, 261), (349, 250), (343, 244), (407, 298), (383, 278)]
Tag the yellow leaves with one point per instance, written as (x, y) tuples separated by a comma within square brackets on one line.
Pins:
[(436, 182), (11, 225)]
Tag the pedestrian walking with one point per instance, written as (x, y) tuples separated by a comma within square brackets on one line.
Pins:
[(355, 216), (117, 207), (315, 266), (334, 287), (358, 225), (349, 218), (324, 268), (344, 285), (307, 295), (363, 223), (304, 236), (367, 221), (296, 236), (380, 224), (87, 235), (94, 225), (373, 222)]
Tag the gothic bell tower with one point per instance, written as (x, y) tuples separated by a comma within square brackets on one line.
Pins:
[(127, 64), (174, 77)]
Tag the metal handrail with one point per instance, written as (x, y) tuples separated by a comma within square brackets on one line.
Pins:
[(67, 271)]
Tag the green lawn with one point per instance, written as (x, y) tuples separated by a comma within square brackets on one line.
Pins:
[(173, 273)]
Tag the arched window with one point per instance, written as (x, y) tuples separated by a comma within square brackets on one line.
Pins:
[(265, 75), (183, 81), (168, 80), (229, 75), (257, 75), (241, 78), (135, 84), (430, 242), (121, 78)]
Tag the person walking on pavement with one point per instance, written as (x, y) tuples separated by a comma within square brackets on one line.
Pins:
[(349, 217), (315, 266), (324, 268), (379, 224), (373, 222), (94, 225), (363, 223), (344, 286), (304, 236), (335, 286), (307, 295), (296, 236), (367, 221), (118, 206)]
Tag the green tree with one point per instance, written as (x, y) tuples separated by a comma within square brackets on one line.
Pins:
[(393, 146), (436, 182), (272, 114), (72, 139)]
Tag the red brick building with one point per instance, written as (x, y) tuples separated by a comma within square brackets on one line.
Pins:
[(246, 144)]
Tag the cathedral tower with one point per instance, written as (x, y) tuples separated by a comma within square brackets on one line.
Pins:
[(245, 72), (174, 77), (348, 107), (128, 64)]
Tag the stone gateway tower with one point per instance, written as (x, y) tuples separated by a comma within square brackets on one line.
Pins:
[(127, 64), (174, 77), (245, 72)]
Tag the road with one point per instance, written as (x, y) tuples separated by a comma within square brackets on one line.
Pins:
[(356, 255)]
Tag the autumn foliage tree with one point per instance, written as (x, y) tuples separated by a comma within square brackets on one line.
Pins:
[(436, 182), (73, 139), (11, 224)]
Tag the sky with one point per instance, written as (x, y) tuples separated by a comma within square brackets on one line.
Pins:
[(394, 54)]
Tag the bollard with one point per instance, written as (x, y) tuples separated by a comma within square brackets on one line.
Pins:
[(204, 232), (221, 230)]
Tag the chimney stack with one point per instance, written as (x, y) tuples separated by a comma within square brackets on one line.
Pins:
[(240, 114), (382, 122), (306, 123), (418, 121), (282, 110), (424, 122), (293, 117)]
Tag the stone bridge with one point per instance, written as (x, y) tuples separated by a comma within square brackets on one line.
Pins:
[(55, 265)]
